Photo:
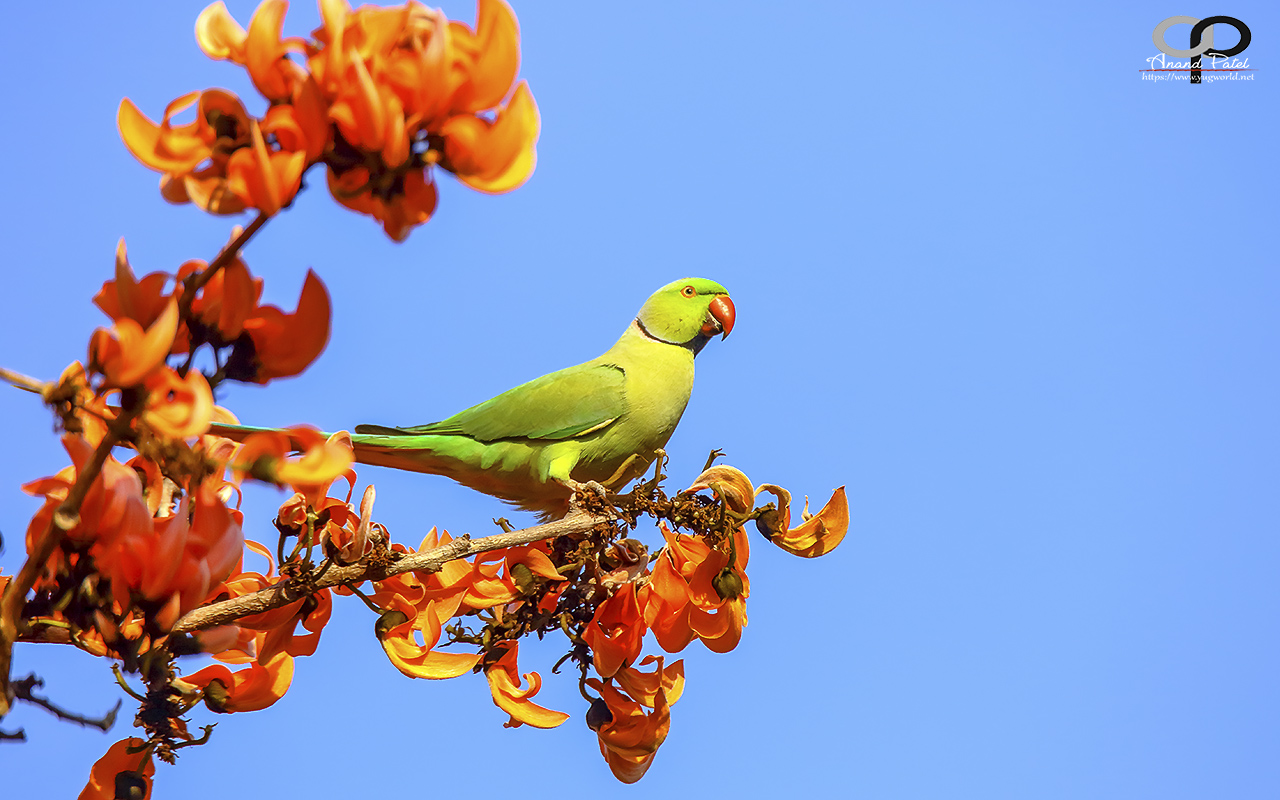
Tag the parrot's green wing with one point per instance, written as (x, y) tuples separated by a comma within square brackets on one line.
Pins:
[(572, 402)]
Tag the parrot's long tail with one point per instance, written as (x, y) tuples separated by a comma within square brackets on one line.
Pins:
[(237, 433)]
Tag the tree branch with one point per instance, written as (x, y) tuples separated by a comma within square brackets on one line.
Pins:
[(428, 561), (25, 690), (20, 381)]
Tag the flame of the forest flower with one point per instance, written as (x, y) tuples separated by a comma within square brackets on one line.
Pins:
[(504, 685), (631, 737), (286, 344), (252, 688), (118, 769), (127, 354), (616, 632), (818, 535), (379, 96)]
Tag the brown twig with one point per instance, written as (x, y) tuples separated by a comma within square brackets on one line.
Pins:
[(429, 561), (25, 690), (224, 257), (65, 517), (20, 381)]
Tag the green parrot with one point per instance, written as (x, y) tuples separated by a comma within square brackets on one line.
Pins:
[(598, 422)]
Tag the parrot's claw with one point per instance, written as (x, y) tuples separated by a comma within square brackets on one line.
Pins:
[(582, 492)]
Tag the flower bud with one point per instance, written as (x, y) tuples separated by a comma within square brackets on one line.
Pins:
[(728, 584), (598, 715), (523, 577), (216, 697), (770, 522), (388, 620), (130, 786)]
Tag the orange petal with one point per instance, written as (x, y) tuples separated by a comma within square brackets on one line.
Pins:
[(179, 408), (494, 157), (118, 759), (507, 694), (219, 35), (818, 535), (131, 354), (497, 60), (733, 484), (285, 344), (162, 147)]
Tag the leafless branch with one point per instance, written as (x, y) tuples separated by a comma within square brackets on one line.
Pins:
[(427, 561)]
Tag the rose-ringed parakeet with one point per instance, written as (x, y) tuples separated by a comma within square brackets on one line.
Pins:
[(599, 421)]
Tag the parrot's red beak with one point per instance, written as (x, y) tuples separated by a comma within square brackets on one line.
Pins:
[(721, 319)]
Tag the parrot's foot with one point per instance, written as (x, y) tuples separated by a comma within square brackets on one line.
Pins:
[(585, 495)]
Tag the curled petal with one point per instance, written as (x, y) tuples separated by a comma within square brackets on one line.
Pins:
[(496, 59), (818, 535), (494, 157), (179, 408), (504, 685), (219, 35), (253, 688), (162, 147), (731, 482), (285, 344)]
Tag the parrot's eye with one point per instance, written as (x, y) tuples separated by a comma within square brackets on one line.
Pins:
[(688, 291)]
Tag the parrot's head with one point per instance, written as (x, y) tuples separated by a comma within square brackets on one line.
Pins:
[(687, 312)]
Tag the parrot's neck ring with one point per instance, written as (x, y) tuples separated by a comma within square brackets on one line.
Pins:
[(695, 344)]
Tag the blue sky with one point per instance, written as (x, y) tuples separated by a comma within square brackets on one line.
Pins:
[(1014, 297)]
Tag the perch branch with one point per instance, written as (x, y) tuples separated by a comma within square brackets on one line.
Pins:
[(427, 561)]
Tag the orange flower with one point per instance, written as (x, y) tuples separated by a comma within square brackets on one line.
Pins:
[(498, 156), (323, 460), (313, 611), (261, 50), (695, 590), (631, 737), (121, 773), (616, 632), (253, 688), (221, 161), (408, 202), (504, 685), (645, 686), (730, 483), (89, 409), (396, 631), (127, 354), (226, 300), (179, 408), (128, 298), (818, 535), (179, 558), (264, 179), (113, 506), (286, 344)]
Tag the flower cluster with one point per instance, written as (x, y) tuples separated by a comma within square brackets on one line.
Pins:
[(379, 96), (607, 594), (251, 341), (142, 557)]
